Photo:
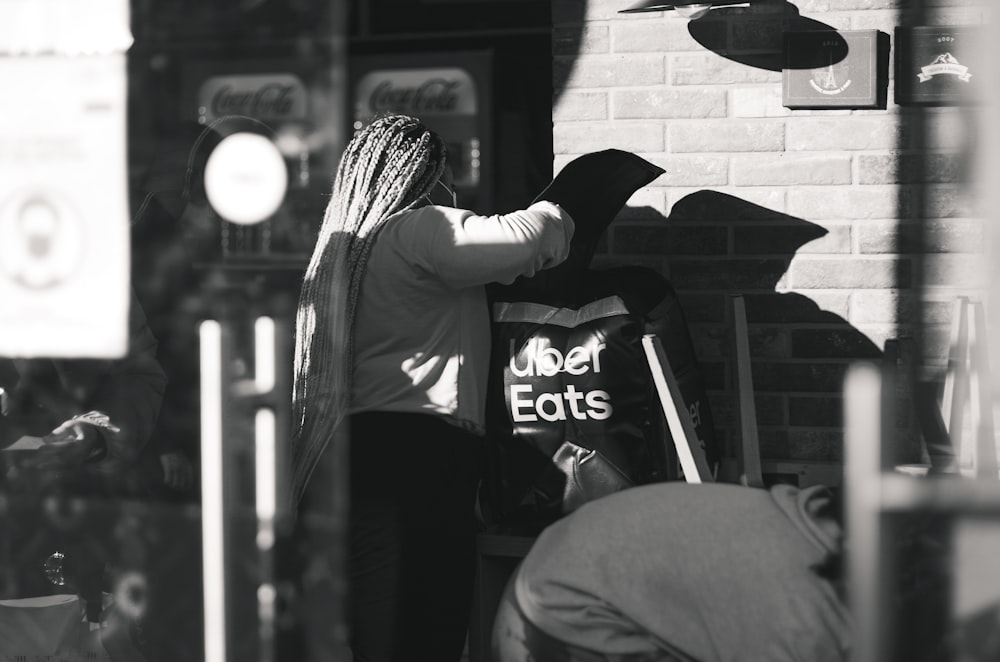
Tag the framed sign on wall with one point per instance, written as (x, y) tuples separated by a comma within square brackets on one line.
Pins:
[(937, 65), (835, 69)]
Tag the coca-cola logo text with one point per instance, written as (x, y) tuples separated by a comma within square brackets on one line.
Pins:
[(269, 100), (433, 95)]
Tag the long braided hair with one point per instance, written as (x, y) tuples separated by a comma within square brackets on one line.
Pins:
[(386, 168)]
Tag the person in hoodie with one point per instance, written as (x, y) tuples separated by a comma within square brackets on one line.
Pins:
[(682, 572), (393, 342)]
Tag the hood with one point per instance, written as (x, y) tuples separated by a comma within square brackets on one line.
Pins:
[(593, 188)]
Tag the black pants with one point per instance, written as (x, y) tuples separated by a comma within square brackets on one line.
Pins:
[(413, 528)]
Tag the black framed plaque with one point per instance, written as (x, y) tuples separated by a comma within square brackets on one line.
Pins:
[(832, 69), (937, 65)]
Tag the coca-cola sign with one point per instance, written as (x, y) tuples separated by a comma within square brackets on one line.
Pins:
[(419, 92), (261, 96)]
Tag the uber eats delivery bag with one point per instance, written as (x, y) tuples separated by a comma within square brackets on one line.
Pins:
[(572, 411)]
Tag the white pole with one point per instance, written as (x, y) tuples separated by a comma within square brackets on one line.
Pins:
[(212, 494)]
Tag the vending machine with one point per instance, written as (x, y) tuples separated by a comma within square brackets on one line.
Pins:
[(451, 93)]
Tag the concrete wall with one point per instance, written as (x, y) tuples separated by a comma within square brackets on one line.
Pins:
[(825, 220)]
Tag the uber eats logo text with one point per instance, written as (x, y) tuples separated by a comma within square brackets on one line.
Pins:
[(537, 360)]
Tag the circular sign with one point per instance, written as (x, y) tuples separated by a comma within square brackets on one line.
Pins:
[(246, 178), (41, 240)]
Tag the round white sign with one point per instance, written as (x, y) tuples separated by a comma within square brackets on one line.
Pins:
[(246, 178)]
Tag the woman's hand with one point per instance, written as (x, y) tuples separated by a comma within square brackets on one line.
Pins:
[(69, 445)]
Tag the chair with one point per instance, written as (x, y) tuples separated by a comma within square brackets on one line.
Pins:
[(749, 468), (690, 453), (967, 385), (748, 453), (953, 445)]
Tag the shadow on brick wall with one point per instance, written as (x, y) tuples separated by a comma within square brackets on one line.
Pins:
[(754, 37), (714, 245)]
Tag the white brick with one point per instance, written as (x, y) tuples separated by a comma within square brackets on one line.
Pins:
[(884, 20), (692, 170), (603, 71), (843, 202), (574, 106), (791, 170), (726, 136), (584, 137), (589, 39), (881, 306), (714, 69), (845, 133), (649, 37), (758, 102), (667, 103)]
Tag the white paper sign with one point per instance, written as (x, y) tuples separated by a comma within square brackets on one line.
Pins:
[(64, 27), (64, 229)]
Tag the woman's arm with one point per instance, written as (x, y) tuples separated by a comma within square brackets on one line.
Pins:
[(474, 250)]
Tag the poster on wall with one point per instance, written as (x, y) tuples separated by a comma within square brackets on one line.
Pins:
[(832, 69), (938, 65), (64, 221), (450, 93)]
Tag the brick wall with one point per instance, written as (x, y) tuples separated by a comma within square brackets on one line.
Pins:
[(825, 220)]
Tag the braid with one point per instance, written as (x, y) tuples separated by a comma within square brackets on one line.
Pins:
[(386, 168)]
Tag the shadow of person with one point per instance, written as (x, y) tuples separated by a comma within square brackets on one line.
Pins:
[(716, 245), (759, 37)]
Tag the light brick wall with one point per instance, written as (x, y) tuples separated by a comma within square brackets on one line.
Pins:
[(749, 185)]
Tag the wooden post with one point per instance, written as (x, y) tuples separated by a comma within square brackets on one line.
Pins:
[(748, 453), (689, 450)]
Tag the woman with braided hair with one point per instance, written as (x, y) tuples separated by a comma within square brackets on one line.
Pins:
[(392, 342)]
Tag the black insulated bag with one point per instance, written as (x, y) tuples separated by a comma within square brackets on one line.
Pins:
[(572, 411)]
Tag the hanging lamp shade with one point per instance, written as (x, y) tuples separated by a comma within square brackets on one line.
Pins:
[(692, 9)]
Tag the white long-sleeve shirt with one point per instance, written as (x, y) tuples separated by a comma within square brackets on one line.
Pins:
[(421, 333)]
